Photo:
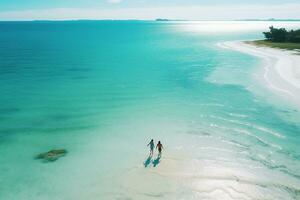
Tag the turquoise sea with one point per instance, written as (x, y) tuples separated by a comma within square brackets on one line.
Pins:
[(103, 89)]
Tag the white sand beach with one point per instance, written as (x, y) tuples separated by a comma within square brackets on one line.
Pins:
[(281, 68)]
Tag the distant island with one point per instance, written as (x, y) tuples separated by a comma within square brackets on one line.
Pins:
[(166, 20), (280, 38), (159, 20)]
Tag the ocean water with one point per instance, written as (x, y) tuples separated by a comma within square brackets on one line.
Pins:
[(102, 89)]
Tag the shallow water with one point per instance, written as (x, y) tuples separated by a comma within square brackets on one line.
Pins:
[(103, 89)]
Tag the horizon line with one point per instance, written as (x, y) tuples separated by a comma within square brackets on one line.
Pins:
[(156, 19)]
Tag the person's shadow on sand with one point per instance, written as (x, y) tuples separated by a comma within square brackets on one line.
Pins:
[(156, 161), (148, 161)]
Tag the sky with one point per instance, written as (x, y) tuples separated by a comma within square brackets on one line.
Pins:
[(148, 9)]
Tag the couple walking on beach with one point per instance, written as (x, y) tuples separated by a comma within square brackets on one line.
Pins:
[(159, 147)]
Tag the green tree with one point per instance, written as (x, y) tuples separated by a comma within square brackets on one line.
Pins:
[(294, 36), (276, 34)]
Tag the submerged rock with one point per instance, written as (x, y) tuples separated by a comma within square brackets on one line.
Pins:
[(52, 155)]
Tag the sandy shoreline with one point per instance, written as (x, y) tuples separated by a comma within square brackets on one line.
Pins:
[(281, 69)]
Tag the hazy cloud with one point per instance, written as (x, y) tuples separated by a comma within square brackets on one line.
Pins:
[(114, 1), (188, 12)]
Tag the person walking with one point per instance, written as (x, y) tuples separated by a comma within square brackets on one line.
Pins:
[(151, 145), (159, 146)]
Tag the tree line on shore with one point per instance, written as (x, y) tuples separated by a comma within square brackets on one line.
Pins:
[(282, 35)]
